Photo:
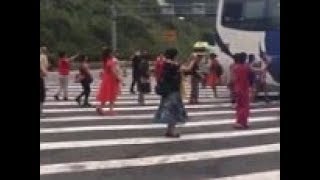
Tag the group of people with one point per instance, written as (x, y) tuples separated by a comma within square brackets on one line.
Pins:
[(169, 76), (209, 77), (64, 64)]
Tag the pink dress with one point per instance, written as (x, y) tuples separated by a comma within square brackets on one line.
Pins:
[(110, 85)]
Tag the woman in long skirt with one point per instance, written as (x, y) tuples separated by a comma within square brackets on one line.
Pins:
[(241, 88), (171, 110), (110, 84)]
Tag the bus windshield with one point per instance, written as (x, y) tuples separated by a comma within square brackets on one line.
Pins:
[(251, 15)]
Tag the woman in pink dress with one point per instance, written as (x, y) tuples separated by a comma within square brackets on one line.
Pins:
[(110, 84)]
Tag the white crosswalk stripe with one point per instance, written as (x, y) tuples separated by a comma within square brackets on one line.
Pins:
[(76, 143)]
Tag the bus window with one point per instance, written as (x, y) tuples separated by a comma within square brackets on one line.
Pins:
[(251, 15)]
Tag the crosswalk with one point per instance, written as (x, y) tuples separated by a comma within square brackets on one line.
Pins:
[(76, 143)]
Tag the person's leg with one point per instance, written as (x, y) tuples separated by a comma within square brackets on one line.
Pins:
[(193, 94), (56, 96), (100, 108), (65, 87), (266, 96), (42, 94), (197, 86), (134, 81), (78, 99), (246, 109), (141, 98), (170, 130), (214, 89), (111, 108), (203, 81), (87, 91), (242, 109)]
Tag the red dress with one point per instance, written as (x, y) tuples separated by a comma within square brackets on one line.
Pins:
[(110, 85), (241, 89)]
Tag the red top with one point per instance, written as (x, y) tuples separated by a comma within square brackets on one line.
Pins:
[(241, 77), (159, 67), (64, 66)]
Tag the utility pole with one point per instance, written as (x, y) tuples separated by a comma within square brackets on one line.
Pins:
[(114, 26)]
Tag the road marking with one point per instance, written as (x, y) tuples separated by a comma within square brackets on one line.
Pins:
[(131, 102), (150, 126), (145, 108), (268, 175), (147, 116), (156, 160), (153, 140)]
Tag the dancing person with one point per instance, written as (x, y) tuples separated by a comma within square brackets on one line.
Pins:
[(260, 71), (171, 109), (204, 68), (240, 79), (143, 78), (193, 70), (110, 83), (64, 71), (135, 70), (85, 78), (252, 81), (43, 73), (44, 57), (213, 78), (44, 65)]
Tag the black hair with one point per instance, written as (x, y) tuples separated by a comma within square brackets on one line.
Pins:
[(213, 55), (240, 58), (62, 54), (171, 53), (251, 58), (106, 53)]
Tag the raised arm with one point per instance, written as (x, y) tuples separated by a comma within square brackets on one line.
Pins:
[(74, 57)]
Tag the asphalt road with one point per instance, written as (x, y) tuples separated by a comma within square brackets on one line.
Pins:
[(77, 144)]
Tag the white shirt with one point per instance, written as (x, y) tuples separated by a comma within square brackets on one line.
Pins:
[(44, 61)]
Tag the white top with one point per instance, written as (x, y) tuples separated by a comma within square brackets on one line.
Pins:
[(44, 61)]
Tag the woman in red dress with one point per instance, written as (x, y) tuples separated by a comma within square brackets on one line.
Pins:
[(241, 87), (110, 84)]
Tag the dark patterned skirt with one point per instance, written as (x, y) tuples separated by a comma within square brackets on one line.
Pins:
[(171, 110)]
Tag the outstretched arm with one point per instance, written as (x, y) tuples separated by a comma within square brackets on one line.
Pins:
[(73, 57)]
